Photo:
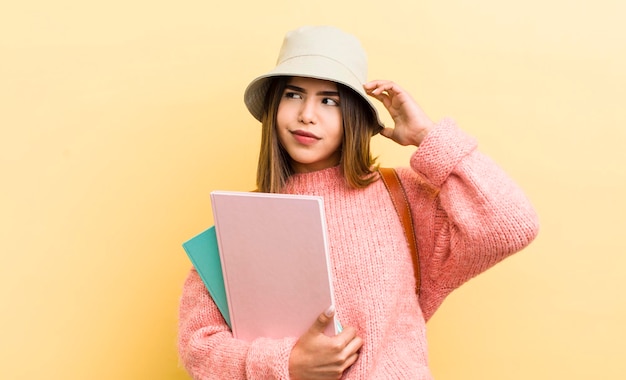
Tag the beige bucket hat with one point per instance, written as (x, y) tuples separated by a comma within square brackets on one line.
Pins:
[(322, 52)]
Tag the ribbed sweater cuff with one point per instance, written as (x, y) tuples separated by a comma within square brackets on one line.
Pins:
[(269, 359), (442, 149)]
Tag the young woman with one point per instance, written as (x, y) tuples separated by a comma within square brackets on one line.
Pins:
[(317, 120)]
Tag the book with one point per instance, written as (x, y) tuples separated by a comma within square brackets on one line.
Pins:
[(274, 258), (203, 252)]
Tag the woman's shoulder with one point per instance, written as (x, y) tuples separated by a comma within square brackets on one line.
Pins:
[(414, 184)]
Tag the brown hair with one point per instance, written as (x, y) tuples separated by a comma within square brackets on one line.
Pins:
[(359, 125)]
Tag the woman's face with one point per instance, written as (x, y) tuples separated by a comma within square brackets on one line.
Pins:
[(309, 124)]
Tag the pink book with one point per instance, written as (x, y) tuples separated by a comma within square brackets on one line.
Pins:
[(274, 255)]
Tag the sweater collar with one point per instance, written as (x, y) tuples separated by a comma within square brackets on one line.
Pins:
[(313, 182)]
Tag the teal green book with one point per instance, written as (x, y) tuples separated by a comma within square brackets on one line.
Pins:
[(205, 257)]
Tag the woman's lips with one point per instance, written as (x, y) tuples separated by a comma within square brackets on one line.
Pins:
[(304, 137)]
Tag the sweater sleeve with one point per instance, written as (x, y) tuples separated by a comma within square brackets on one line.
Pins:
[(469, 214), (208, 350)]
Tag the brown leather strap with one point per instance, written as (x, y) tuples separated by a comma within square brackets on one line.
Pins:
[(401, 204)]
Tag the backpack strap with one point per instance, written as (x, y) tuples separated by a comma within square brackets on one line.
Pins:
[(401, 204)]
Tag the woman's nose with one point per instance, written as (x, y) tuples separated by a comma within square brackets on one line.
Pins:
[(307, 112)]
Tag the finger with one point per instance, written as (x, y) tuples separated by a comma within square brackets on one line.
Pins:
[(353, 351), (355, 344), (348, 341), (350, 360), (347, 335), (375, 83), (323, 320), (382, 97), (380, 89), (387, 132)]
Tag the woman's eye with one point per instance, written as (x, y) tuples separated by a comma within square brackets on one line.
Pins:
[(330, 102), (293, 95)]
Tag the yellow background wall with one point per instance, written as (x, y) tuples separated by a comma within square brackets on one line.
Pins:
[(118, 118)]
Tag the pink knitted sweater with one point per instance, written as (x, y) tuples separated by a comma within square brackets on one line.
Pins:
[(468, 216)]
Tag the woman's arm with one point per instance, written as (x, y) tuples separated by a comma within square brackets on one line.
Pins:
[(208, 350), (469, 213)]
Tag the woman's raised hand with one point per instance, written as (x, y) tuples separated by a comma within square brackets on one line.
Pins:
[(411, 122), (318, 356)]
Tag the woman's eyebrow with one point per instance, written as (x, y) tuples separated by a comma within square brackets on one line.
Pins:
[(320, 93)]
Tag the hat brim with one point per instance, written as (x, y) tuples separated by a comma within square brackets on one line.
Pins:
[(309, 66)]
